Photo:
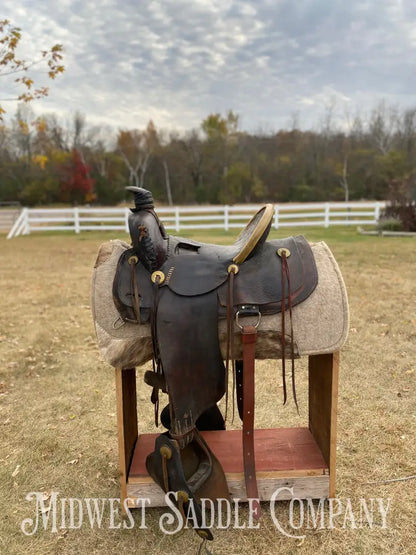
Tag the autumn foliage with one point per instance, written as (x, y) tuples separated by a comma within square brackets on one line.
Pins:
[(45, 160), (76, 183), (12, 64)]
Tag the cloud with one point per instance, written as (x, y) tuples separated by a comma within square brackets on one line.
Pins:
[(175, 61)]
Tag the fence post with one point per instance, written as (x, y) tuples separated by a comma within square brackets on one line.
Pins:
[(126, 219), (377, 212), (177, 219), (15, 229), (327, 207), (76, 220), (26, 222), (276, 217), (226, 208)]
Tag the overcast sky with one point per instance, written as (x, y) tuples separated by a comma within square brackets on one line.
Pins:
[(176, 61)]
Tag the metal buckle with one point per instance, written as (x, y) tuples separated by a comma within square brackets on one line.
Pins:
[(248, 310)]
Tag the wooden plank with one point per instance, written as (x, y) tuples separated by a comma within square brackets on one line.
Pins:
[(285, 457), (323, 408), (304, 487), (126, 422), (276, 450)]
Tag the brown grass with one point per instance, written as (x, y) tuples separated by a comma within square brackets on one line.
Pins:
[(57, 402)]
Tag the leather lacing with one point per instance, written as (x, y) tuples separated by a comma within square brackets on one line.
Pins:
[(156, 360), (230, 337), (286, 276)]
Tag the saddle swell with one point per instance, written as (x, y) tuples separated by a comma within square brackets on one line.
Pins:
[(183, 288)]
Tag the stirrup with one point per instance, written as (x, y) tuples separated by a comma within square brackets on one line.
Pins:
[(193, 472), (166, 468)]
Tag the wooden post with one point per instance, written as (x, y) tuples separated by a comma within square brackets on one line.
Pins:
[(276, 216), (126, 424), (226, 217), (76, 220), (126, 219), (327, 208), (177, 219), (323, 408)]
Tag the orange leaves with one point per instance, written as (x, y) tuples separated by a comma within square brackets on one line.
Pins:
[(40, 125), (23, 126), (26, 81), (40, 160), (10, 37)]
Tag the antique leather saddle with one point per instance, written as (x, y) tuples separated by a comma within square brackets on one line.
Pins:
[(183, 287)]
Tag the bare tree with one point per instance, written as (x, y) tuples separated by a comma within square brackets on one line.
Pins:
[(382, 126), (136, 149)]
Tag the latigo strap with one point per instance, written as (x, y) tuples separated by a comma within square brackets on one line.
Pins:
[(248, 339)]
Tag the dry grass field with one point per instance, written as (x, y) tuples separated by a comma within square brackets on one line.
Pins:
[(58, 421)]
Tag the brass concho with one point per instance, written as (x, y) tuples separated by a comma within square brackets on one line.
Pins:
[(133, 259), (166, 452), (183, 497), (158, 277), (233, 269), (283, 251)]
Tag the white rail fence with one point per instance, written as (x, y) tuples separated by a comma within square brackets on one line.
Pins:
[(196, 217)]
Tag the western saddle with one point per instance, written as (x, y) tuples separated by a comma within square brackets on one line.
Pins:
[(182, 287)]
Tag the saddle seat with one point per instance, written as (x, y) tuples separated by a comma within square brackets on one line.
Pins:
[(253, 235)]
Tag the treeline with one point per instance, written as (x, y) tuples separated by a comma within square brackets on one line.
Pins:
[(44, 161)]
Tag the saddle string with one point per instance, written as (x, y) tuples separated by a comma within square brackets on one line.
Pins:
[(292, 347), (230, 338), (227, 364), (156, 360), (286, 274), (283, 338)]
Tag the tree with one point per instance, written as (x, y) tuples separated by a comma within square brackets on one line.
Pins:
[(402, 202), (136, 149), (193, 147), (237, 183), (221, 149), (215, 126), (382, 126), (11, 64), (76, 184)]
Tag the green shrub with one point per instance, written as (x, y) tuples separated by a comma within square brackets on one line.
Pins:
[(389, 224)]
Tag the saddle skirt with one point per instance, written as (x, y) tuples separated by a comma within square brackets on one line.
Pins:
[(320, 323), (195, 269)]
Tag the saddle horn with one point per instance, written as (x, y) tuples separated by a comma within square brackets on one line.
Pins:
[(148, 236)]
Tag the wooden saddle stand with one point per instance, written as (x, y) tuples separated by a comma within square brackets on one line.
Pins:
[(181, 291)]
